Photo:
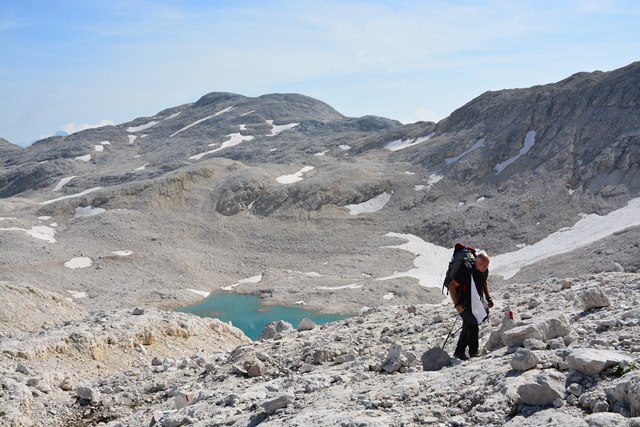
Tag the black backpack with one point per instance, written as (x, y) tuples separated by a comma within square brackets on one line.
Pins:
[(461, 254)]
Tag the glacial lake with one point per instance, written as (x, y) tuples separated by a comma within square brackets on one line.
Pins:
[(247, 313)]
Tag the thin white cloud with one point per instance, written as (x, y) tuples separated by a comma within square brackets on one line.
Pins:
[(424, 115), (75, 127)]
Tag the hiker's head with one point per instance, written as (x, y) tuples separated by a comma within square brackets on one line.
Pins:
[(482, 261)]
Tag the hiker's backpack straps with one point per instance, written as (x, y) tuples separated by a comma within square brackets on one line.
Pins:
[(461, 254)]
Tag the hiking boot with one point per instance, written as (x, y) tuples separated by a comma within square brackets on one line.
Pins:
[(474, 354), (460, 355)]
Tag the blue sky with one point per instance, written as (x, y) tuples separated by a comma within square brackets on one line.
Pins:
[(66, 64)]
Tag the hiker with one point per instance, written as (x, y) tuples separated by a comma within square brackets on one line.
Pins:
[(461, 295)]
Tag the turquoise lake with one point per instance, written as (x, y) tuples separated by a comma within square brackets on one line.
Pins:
[(247, 313)]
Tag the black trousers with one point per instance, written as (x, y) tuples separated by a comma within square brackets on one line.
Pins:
[(468, 333)]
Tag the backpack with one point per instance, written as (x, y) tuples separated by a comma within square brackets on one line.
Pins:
[(461, 254)]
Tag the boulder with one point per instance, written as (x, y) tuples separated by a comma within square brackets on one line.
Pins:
[(272, 329), (590, 361), (280, 402), (87, 393), (523, 360), (393, 361), (624, 394), (594, 297), (541, 387), (305, 325), (550, 325), (607, 419), (435, 359)]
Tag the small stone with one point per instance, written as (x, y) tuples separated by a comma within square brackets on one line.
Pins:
[(66, 384), (535, 344), (558, 403), (87, 393), (271, 406), (601, 407), (572, 400), (137, 312), (305, 325), (575, 389), (23, 369)]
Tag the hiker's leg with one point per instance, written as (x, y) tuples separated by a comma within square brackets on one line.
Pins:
[(462, 340), (473, 339)]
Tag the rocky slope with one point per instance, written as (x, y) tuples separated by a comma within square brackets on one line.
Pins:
[(569, 357), (103, 230)]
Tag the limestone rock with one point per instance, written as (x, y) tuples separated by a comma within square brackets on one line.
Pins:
[(523, 360), (594, 297), (87, 393), (435, 359), (392, 362), (547, 326), (607, 419), (305, 325), (590, 361), (624, 394), (271, 406), (272, 329), (541, 387)]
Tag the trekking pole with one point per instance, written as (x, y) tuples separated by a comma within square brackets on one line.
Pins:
[(450, 330)]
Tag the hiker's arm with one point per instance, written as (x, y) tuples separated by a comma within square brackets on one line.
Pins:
[(486, 293), (454, 296)]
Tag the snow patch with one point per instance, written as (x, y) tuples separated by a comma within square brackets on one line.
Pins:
[(123, 253), (478, 144), (419, 187), (134, 129), (197, 122), (132, 138), (252, 279), (372, 205), (79, 262), (82, 212), (91, 190), (198, 292), (63, 182), (400, 144), (290, 179), (388, 296), (587, 230), (105, 143), (99, 148), (234, 139), (336, 288), (430, 264), (41, 232), (141, 167), (278, 129), (84, 158), (529, 142), (322, 153), (77, 294), (44, 218), (344, 147), (174, 115)]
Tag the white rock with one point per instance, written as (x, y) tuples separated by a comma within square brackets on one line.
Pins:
[(594, 297), (547, 326), (541, 387), (523, 360), (590, 361), (306, 325), (624, 394)]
